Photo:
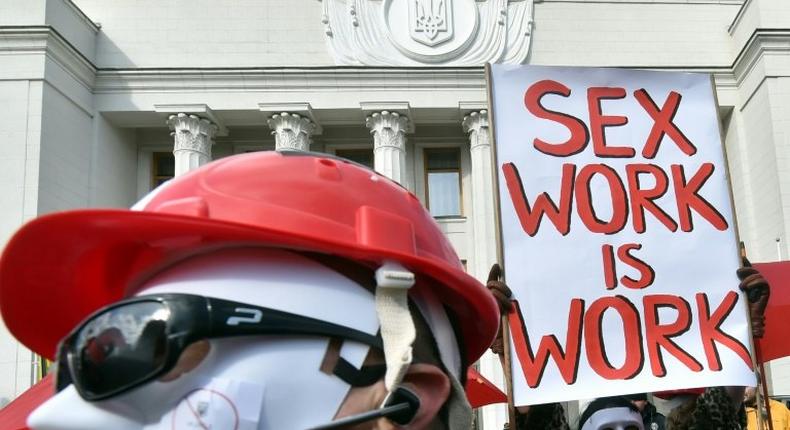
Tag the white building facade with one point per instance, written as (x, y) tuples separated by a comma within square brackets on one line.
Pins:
[(104, 100)]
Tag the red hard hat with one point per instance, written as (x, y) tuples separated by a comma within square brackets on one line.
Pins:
[(666, 395), (59, 268)]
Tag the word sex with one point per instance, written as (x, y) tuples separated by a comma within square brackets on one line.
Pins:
[(627, 193)]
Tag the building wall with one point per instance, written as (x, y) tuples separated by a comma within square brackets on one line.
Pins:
[(207, 33), (114, 165), (763, 197), (45, 133), (66, 143), (20, 130), (20, 127), (72, 24), (661, 33), (21, 93), (22, 12), (779, 88)]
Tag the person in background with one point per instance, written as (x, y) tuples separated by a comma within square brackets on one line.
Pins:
[(611, 413), (721, 408), (651, 418), (780, 415)]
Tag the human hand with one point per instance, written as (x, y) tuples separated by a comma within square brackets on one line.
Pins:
[(502, 294), (499, 289), (757, 292)]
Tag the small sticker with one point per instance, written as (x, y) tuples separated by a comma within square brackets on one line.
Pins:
[(222, 405), (206, 409)]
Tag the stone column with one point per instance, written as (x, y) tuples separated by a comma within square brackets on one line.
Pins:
[(483, 215), (389, 143), (484, 237), (291, 131), (192, 140)]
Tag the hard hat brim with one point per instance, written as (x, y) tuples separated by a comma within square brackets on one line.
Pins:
[(58, 269)]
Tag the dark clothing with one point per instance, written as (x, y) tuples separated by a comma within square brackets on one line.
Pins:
[(651, 419), (550, 416), (712, 410)]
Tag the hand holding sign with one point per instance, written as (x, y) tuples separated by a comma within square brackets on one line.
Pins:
[(612, 185), (757, 291), (499, 289), (503, 295)]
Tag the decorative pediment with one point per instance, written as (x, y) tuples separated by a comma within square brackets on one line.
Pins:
[(428, 32)]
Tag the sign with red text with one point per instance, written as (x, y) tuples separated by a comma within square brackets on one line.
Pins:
[(617, 233)]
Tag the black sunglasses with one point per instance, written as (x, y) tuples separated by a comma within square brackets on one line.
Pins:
[(129, 343)]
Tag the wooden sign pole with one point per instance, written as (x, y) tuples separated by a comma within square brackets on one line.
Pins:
[(505, 358), (764, 384), (761, 395), (508, 369)]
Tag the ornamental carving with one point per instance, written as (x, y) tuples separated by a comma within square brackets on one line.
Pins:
[(429, 21), (428, 32), (476, 124), (192, 133), (388, 129), (291, 131)]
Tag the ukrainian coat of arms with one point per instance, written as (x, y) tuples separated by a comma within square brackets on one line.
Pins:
[(428, 32), (431, 21)]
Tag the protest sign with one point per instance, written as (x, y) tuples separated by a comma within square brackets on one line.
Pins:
[(617, 233)]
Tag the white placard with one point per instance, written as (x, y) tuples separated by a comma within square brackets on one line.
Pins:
[(617, 233)]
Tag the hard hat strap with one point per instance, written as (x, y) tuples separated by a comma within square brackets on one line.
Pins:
[(393, 282)]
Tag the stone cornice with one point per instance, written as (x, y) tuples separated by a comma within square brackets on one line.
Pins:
[(335, 79), (762, 44), (738, 16), (764, 41), (46, 40), (289, 79)]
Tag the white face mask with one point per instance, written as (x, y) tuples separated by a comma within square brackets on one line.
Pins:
[(246, 383), (614, 419)]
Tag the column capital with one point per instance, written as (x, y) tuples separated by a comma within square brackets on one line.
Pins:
[(474, 121), (291, 131), (192, 133), (197, 109), (389, 143), (476, 124), (388, 129), (192, 140)]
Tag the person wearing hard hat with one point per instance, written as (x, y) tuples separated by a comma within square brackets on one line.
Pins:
[(261, 291)]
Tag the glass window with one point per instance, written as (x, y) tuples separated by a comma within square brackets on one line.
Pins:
[(164, 168), (359, 156), (443, 181)]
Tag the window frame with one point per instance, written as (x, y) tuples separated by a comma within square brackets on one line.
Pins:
[(155, 157), (459, 170), (366, 150)]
